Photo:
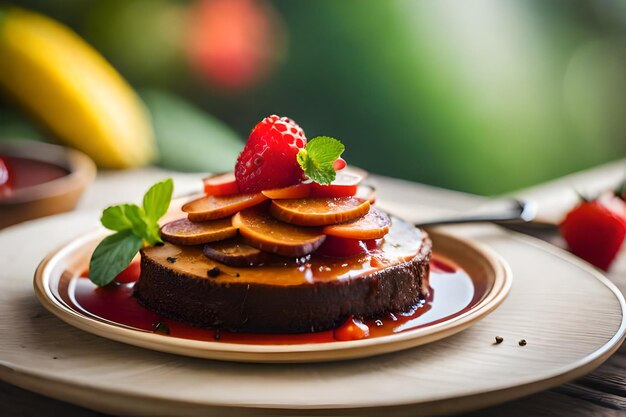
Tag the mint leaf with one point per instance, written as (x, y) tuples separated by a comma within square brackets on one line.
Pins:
[(153, 234), (134, 226), (114, 218), (317, 158), (112, 256), (157, 200), (136, 217)]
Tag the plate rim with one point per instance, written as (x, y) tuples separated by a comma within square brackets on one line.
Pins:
[(67, 390), (300, 353)]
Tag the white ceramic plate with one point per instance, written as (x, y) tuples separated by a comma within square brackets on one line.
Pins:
[(489, 275), (571, 316)]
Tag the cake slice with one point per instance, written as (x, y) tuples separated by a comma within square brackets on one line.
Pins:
[(318, 293)]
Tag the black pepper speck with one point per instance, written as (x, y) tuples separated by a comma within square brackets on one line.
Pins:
[(213, 272)]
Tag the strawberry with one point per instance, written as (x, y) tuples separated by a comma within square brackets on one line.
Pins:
[(344, 185), (352, 329), (220, 184), (339, 164), (129, 274), (341, 247), (269, 158), (595, 230)]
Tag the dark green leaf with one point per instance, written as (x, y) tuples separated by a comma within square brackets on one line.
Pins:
[(112, 256), (157, 200)]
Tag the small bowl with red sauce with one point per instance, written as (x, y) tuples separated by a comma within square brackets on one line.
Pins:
[(40, 179)]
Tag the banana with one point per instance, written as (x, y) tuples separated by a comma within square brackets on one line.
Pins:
[(68, 86)]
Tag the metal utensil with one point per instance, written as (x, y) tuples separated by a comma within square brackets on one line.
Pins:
[(514, 211)]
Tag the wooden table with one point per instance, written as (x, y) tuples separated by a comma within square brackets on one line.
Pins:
[(601, 393)]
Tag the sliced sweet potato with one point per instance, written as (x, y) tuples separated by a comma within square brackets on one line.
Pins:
[(234, 252), (319, 211), (213, 207), (264, 232), (293, 191), (185, 232), (374, 225)]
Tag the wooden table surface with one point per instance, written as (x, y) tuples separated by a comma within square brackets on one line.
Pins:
[(601, 393)]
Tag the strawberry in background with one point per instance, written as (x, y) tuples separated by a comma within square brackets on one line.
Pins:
[(234, 44), (595, 229)]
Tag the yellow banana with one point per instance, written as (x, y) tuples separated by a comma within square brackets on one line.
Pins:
[(63, 82)]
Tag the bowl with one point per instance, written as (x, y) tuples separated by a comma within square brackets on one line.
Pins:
[(68, 172)]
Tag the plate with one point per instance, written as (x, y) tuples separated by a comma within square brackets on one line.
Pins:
[(485, 286), (571, 316)]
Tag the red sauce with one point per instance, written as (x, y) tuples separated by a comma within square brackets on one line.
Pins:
[(352, 329), (452, 293), (25, 172)]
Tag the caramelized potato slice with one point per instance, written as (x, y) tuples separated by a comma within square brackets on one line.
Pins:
[(319, 211), (293, 191), (218, 207), (185, 232), (264, 232), (374, 225), (234, 252)]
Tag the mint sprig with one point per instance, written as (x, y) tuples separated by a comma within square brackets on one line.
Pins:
[(317, 157), (134, 226)]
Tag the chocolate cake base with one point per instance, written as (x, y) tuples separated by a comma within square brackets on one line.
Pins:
[(317, 296)]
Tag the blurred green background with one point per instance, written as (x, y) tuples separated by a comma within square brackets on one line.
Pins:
[(484, 96)]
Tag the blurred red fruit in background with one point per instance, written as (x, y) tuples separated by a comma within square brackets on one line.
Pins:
[(595, 230), (234, 44)]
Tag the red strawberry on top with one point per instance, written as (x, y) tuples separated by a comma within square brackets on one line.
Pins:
[(595, 230), (269, 158)]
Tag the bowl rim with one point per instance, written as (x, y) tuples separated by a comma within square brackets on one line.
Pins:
[(81, 169)]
